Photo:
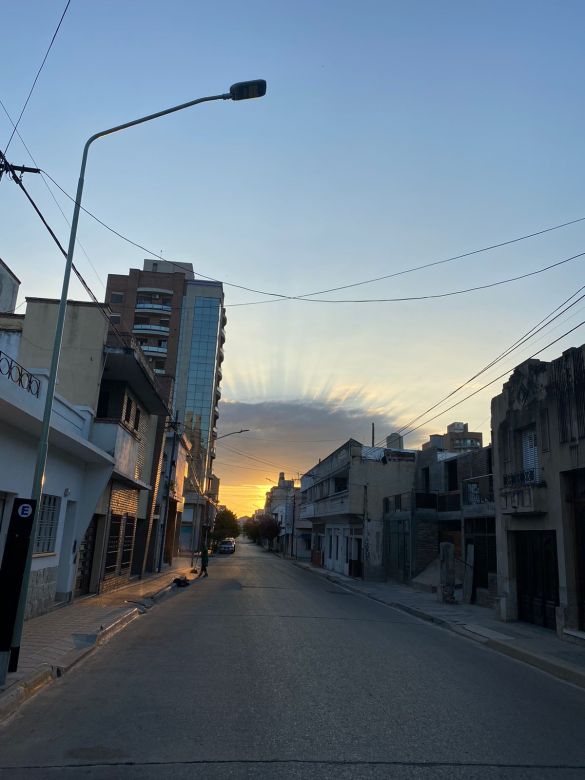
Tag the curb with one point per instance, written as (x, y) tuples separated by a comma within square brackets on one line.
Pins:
[(564, 671), (20, 692)]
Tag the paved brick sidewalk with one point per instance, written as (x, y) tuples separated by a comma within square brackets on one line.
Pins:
[(530, 644), (53, 643)]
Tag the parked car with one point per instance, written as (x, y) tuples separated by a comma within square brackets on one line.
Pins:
[(227, 546)]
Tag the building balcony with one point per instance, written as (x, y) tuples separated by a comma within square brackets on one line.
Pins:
[(151, 329), (114, 438), (524, 500), (337, 504), (217, 393), (155, 307), (13, 371), (150, 349), (220, 355)]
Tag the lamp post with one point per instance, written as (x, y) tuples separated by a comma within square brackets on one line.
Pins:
[(243, 90)]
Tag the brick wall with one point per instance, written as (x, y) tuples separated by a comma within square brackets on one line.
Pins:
[(426, 544)]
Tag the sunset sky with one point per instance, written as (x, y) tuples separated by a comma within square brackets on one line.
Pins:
[(393, 134)]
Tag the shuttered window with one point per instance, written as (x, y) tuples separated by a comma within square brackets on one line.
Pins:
[(530, 461), (46, 536)]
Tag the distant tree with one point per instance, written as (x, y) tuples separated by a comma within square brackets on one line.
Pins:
[(226, 524), (269, 527), (252, 529)]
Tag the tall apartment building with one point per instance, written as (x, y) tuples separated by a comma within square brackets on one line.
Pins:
[(179, 323)]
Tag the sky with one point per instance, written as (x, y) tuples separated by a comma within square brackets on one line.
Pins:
[(393, 134)]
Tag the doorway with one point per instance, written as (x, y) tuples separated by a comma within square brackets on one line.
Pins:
[(537, 577)]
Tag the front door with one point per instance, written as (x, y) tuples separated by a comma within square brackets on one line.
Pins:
[(84, 566), (537, 577)]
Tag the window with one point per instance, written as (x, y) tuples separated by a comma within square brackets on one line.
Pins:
[(398, 502), (116, 297), (128, 410), (340, 484), (137, 419), (164, 322), (141, 319), (115, 319), (48, 524)]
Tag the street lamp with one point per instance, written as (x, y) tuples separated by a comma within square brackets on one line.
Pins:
[(232, 433), (243, 90)]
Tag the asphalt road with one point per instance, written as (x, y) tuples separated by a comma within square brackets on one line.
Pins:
[(264, 670)]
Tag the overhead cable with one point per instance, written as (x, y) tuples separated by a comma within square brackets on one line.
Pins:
[(15, 127)]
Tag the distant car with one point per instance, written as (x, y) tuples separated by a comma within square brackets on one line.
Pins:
[(227, 546)]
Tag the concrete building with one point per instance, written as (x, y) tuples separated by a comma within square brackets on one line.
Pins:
[(9, 286), (343, 497), (283, 504), (457, 439), (538, 429), (180, 324), (423, 514)]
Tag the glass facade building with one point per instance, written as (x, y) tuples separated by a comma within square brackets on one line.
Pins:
[(197, 378)]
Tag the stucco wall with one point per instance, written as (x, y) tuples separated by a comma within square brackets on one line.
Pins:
[(80, 366)]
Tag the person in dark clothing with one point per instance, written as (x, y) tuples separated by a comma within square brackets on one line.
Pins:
[(204, 560)]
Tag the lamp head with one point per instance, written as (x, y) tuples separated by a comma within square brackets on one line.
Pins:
[(244, 90)]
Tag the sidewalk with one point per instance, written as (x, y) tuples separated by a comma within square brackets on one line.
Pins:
[(53, 643), (531, 644)]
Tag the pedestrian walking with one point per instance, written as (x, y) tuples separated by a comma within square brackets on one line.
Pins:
[(204, 560)]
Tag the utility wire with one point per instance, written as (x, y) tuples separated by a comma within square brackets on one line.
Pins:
[(158, 254), (37, 77), (280, 467), (544, 323), (446, 294), (51, 193), (491, 382), (306, 298), (447, 260)]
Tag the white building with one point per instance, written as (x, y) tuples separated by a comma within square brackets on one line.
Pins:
[(77, 473)]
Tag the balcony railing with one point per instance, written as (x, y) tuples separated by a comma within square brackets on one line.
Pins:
[(19, 375), (521, 478), (143, 305), (150, 348), (149, 328)]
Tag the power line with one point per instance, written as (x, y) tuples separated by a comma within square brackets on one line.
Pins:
[(280, 467), (51, 193), (451, 292), (501, 376), (447, 260), (159, 254), (518, 343), (306, 297), (37, 77)]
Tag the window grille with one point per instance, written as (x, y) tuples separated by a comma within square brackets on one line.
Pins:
[(46, 536)]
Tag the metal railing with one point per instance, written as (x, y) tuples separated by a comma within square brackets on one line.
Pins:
[(521, 478), (19, 375)]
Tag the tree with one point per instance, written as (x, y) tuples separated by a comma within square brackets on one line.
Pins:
[(252, 529), (226, 524), (269, 527)]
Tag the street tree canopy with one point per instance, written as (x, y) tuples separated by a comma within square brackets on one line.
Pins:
[(226, 524)]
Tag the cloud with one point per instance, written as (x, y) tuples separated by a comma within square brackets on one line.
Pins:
[(289, 436)]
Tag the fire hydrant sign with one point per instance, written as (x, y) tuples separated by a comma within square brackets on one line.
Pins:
[(13, 564)]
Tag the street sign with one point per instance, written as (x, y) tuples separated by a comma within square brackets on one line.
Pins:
[(13, 564)]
